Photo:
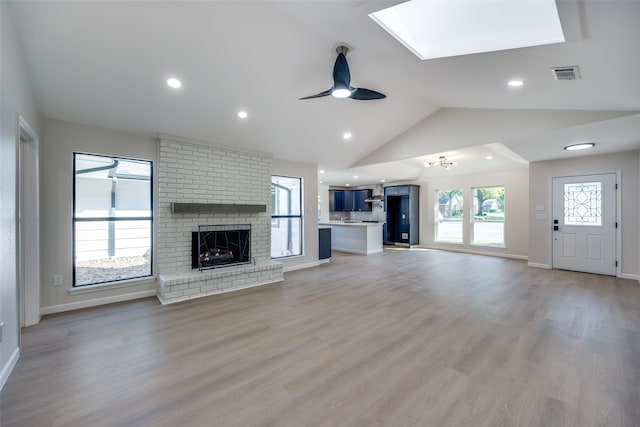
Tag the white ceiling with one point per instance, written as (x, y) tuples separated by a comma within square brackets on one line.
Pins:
[(105, 64)]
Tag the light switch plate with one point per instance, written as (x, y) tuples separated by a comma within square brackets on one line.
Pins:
[(57, 280)]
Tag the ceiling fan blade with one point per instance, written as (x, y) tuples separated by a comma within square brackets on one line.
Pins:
[(366, 94), (341, 74), (319, 95)]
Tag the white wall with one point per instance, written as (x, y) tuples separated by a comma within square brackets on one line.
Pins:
[(323, 195), (516, 236), (540, 174), (58, 141), (16, 99), (309, 174)]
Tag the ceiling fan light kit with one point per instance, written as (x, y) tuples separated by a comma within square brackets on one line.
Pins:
[(342, 82)]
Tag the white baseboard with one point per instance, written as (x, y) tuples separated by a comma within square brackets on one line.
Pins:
[(538, 265), (324, 261), (294, 267), (97, 301), (629, 276), (474, 252), (8, 368), (357, 251)]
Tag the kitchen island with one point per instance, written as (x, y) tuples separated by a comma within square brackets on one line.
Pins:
[(356, 237)]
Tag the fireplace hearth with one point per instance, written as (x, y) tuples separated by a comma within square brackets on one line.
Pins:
[(215, 246)]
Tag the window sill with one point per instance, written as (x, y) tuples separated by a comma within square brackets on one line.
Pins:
[(111, 285)]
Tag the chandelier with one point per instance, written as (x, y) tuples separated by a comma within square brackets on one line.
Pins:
[(442, 161)]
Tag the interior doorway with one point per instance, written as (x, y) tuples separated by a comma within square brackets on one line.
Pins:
[(28, 214), (584, 223)]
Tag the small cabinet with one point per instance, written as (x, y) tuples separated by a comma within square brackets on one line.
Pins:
[(324, 243), (348, 200), (336, 200), (359, 204)]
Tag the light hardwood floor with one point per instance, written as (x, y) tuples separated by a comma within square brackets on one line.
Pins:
[(403, 338)]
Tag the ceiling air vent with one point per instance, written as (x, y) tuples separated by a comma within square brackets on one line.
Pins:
[(566, 73)]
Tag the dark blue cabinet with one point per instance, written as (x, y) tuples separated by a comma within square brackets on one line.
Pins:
[(324, 243), (349, 200), (336, 200), (402, 203), (359, 197)]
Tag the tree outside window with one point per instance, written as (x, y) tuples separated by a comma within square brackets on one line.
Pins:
[(488, 214), (449, 215)]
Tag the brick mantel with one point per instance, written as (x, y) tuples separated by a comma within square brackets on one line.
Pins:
[(201, 175)]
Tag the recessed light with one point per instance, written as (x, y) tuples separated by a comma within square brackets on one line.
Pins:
[(174, 83), (489, 157), (355, 176), (321, 171), (515, 83), (243, 114), (383, 180), (320, 182), (347, 185), (581, 146), (347, 135)]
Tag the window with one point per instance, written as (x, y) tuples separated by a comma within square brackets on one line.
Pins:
[(583, 203), (286, 216), (449, 215), (112, 219), (487, 224)]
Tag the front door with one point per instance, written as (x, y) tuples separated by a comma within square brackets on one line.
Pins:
[(584, 223)]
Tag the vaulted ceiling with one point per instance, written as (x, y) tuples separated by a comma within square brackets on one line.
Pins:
[(106, 63)]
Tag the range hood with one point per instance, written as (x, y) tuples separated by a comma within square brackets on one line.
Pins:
[(376, 198)]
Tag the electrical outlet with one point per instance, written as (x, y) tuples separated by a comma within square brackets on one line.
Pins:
[(57, 280)]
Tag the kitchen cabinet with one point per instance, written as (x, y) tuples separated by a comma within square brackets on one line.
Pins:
[(349, 200), (402, 204), (324, 243), (336, 200), (359, 204)]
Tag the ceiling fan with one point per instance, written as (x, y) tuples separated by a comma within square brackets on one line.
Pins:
[(342, 82)]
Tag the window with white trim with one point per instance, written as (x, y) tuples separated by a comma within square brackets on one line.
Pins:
[(487, 216), (112, 219), (286, 216), (449, 215)]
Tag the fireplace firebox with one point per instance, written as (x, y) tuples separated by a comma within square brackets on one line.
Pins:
[(215, 246)]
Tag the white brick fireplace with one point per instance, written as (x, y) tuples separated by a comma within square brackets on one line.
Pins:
[(189, 173)]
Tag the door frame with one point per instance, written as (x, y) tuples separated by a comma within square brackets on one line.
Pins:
[(618, 233), (28, 224)]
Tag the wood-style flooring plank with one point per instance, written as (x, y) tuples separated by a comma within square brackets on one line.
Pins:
[(402, 338)]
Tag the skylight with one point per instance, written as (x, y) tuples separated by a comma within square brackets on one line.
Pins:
[(439, 29)]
